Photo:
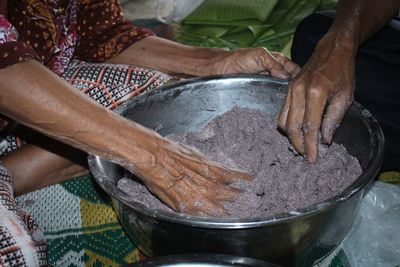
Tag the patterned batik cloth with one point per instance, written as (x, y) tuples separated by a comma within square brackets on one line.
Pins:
[(112, 84), (22, 242), (55, 32), (8, 33)]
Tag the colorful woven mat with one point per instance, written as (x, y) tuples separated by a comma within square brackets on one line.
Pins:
[(80, 224), (82, 228)]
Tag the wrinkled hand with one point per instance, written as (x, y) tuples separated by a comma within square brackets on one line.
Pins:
[(254, 60), (326, 82), (187, 181)]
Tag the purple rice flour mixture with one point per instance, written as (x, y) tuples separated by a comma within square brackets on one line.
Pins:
[(248, 140)]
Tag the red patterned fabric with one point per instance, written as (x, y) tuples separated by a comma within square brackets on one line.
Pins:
[(7, 32), (56, 31)]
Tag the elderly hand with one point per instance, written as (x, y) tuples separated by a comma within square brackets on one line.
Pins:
[(186, 180), (254, 60), (326, 82)]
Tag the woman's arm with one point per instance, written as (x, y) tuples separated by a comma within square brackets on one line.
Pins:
[(33, 167), (174, 58), (34, 96)]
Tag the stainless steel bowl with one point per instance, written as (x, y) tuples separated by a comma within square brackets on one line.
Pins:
[(201, 260), (292, 239)]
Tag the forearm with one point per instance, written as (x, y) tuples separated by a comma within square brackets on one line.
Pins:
[(169, 57), (39, 99), (33, 167), (357, 20)]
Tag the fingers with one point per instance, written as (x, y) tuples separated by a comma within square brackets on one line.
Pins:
[(198, 163), (301, 116), (285, 111), (256, 60), (193, 160), (200, 196), (228, 176), (334, 115), (303, 111), (292, 68), (268, 62), (227, 193), (294, 121), (316, 101), (187, 182), (209, 208)]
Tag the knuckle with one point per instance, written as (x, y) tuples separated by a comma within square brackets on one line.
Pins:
[(316, 91), (343, 100), (262, 50), (293, 129), (298, 84), (310, 127)]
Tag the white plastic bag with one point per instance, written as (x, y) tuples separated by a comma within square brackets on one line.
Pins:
[(374, 240), (168, 11)]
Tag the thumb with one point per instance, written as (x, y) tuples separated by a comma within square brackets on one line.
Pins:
[(271, 64)]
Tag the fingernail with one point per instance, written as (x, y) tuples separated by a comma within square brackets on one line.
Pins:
[(327, 139), (280, 73), (311, 159), (284, 75)]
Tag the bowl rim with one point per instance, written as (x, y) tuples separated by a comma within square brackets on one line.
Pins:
[(204, 260), (361, 182)]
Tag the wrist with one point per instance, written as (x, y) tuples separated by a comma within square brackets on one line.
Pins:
[(202, 61), (346, 32), (169, 57), (133, 145), (344, 44)]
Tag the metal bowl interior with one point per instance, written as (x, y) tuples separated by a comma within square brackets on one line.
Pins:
[(297, 238), (202, 260), (188, 105)]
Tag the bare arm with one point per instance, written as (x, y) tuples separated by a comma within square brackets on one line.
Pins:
[(39, 99), (174, 58), (180, 176), (360, 19), (33, 167), (328, 78)]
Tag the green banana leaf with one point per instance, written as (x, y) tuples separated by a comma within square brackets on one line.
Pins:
[(206, 30), (231, 12), (288, 20), (229, 23)]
